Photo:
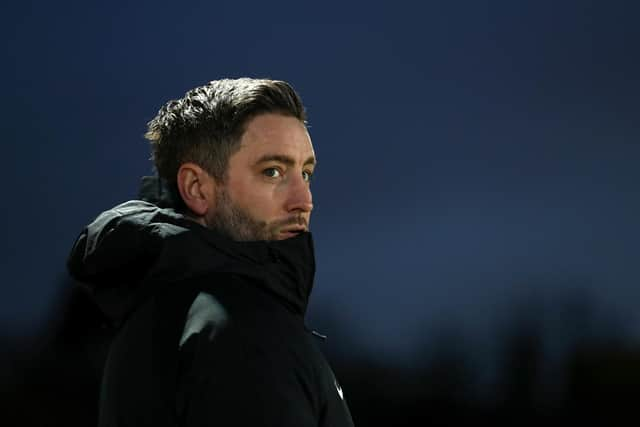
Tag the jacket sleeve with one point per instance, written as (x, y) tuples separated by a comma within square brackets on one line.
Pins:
[(230, 379)]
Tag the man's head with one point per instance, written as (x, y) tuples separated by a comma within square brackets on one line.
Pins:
[(239, 155)]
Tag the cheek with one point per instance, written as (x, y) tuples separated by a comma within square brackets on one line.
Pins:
[(257, 198)]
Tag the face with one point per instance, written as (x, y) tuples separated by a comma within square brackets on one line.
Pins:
[(266, 193)]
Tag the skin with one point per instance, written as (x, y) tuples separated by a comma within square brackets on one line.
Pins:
[(266, 192)]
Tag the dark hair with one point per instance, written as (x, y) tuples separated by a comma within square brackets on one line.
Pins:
[(206, 125)]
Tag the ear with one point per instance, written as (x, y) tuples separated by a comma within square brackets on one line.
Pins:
[(197, 189)]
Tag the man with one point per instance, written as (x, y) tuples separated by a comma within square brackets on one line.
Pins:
[(208, 276)]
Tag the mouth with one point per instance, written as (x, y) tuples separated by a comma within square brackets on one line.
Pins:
[(292, 231)]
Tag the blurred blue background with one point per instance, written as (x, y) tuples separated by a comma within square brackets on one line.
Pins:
[(478, 161)]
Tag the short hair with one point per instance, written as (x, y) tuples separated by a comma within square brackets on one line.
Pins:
[(206, 125)]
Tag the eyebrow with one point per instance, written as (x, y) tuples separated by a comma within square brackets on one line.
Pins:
[(287, 160)]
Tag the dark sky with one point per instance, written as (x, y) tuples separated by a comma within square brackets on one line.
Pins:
[(472, 156)]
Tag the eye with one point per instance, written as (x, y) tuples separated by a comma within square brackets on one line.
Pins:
[(307, 176), (272, 173)]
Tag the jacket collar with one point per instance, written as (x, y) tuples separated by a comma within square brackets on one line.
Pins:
[(284, 268)]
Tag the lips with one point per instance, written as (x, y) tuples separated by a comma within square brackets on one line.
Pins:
[(294, 230)]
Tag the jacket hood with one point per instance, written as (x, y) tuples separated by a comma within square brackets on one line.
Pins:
[(129, 250)]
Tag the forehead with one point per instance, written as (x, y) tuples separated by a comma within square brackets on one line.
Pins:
[(275, 134)]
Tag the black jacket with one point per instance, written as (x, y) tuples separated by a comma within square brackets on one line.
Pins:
[(211, 331)]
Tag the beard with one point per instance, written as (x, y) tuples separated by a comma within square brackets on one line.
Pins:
[(238, 224)]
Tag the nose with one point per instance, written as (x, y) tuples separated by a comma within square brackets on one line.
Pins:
[(299, 198)]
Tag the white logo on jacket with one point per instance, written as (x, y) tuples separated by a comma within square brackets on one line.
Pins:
[(338, 388)]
